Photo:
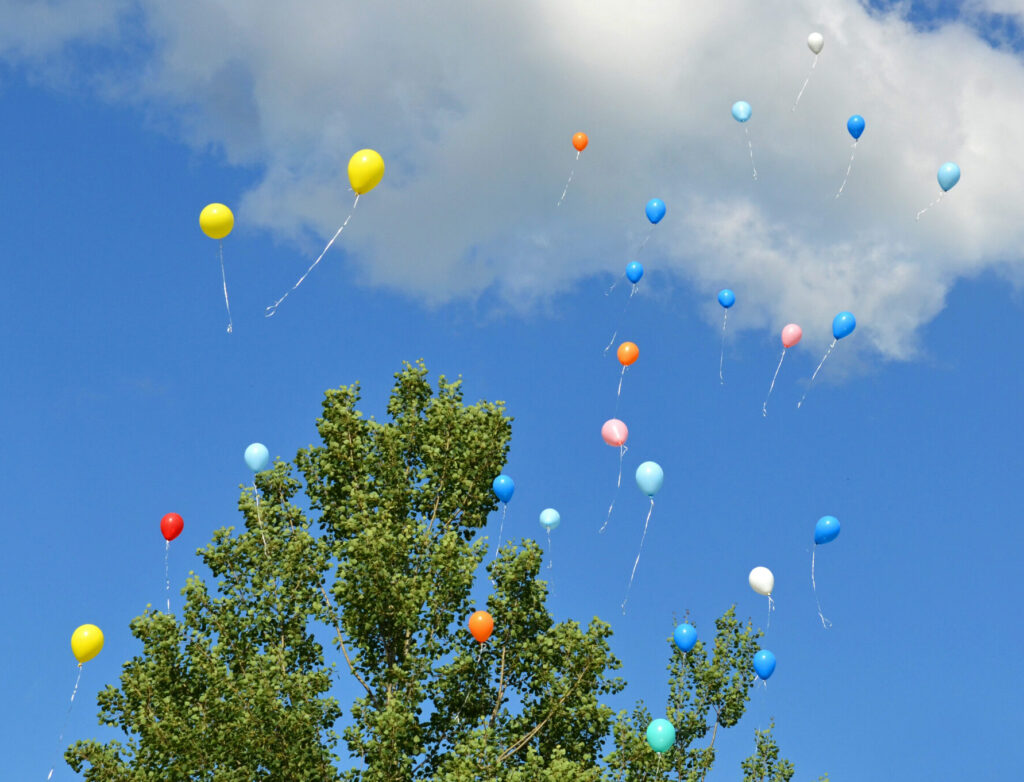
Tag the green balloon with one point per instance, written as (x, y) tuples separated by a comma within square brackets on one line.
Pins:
[(661, 735)]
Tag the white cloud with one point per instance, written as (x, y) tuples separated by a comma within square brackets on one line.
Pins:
[(473, 106)]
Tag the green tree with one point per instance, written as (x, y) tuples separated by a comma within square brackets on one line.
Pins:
[(765, 765), (237, 687)]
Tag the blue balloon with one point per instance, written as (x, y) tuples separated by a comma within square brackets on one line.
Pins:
[(685, 636), (843, 325), (634, 270), (855, 125), (257, 457), (503, 487), (826, 530), (741, 111), (726, 298), (661, 735), (949, 175), (764, 663), (649, 477), (550, 519), (655, 210)]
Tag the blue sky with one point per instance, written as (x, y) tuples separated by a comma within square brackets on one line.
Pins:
[(125, 399)]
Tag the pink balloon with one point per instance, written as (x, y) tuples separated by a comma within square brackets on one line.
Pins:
[(614, 432), (791, 335)]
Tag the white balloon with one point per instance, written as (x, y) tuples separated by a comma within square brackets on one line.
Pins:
[(815, 41), (762, 581)]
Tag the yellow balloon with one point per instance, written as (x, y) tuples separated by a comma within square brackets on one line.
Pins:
[(365, 170), (216, 221), (86, 643)]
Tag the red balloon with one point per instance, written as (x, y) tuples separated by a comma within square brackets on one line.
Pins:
[(171, 525)]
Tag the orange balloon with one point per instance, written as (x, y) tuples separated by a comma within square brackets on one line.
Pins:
[(481, 625), (580, 141), (628, 353)]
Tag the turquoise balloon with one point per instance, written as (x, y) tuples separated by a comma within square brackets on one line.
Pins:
[(661, 735), (257, 457), (650, 477), (949, 175), (741, 111), (550, 519)]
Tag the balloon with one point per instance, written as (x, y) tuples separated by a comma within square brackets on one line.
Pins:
[(843, 325), (503, 487), (655, 210), (650, 477), (855, 125), (726, 298), (481, 625), (365, 170), (550, 519), (762, 581), (171, 526), (628, 353), (826, 530), (949, 175), (86, 643), (634, 271), (216, 221), (614, 432), (257, 457), (791, 335), (685, 636), (741, 111), (580, 141), (661, 735), (815, 42), (764, 663)]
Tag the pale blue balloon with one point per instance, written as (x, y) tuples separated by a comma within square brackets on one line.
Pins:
[(741, 111), (650, 477), (949, 175), (257, 457), (550, 519)]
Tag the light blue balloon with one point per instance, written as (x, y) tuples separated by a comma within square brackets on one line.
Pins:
[(826, 530), (649, 477), (655, 210), (257, 457), (764, 664), (949, 175), (855, 125), (550, 519), (843, 325), (726, 298), (503, 487), (634, 271), (741, 111), (685, 636), (661, 735)]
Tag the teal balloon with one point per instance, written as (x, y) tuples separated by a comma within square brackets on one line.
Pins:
[(949, 175), (257, 457), (661, 735), (550, 519), (650, 477), (741, 111)]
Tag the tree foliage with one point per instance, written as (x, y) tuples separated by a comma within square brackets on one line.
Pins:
[(237, 688)]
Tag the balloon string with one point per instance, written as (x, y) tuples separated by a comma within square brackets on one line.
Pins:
[(750, 145), (824, 622), (273, 307), (167, 577), (551, 558), (809, 73), (619, 394), (647, 238), (933, 203), (771, 607), (721, 358), (632, 293), (848, 169), (224, 281), (504, 512), (572, 172), (618, 485), (764, 407), (259, 518), (827, 354), (610, 342), (60, 738), (637, 562)]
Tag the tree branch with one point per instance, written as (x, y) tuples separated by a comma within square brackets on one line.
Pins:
[(501, 686), (341, 642), (526, 739)]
